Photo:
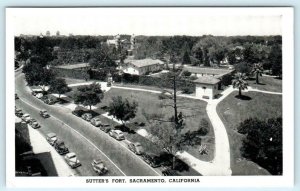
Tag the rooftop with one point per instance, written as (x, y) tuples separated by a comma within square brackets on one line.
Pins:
[(144, 62), (210, 71), (207, 80), (73, 66)]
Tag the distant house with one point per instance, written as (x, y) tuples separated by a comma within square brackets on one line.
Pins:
[(208, 84), (142, 67), (117, 41), (207, 87)]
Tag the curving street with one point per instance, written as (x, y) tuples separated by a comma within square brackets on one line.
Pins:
[(82, 138)]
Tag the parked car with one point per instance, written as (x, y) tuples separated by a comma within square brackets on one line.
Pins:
[(18, 112), (60, 147), (72, 160), (33, 93), (96, 121), (50, 101), (31, 121), (105, 127), (35, 125), (26, 117), (153, 161), (117, 134), (51, 138), (136, 148), (169, 172), (99, 167), (39, 95), (78, 113), (16, 96), (87, 116), (44, 114)]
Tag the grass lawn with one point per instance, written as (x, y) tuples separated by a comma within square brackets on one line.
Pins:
[(267, 83), (76, 81), (150, 103), (233, 111)]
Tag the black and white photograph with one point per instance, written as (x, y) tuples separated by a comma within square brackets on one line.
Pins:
[(161, 95)]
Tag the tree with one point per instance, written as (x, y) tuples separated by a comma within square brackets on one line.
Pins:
[(240, 83), (122, 109), (257, 70), (36, 75), (203, 127), (263, 143), (168, 128), (276, 60), (243, 67), (59, 86), (88, 95), (186, 58)]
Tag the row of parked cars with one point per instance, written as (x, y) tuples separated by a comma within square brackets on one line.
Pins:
[(44, 98), (27, 119), (96, 121), (135, 147), (71, 158)]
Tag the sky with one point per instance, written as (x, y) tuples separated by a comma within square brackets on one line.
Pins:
[(146, 21)]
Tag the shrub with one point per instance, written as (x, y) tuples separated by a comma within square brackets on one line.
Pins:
[(187, 90), (186, 73), (227, 80), (193, 78), (203, 127)]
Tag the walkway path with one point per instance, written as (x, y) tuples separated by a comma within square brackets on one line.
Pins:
[(220, 165)]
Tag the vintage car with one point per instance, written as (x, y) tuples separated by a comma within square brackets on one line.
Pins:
[(26, 117), (35, 125), (169, 172), (72, 160), (96, 121), (99, 167), (60, 147), (117, 134), (16, 96), (39, 95), (136, 148), (105, 127), (51, 138), (87, 116), (18, 112), (153, 161), (78, 112), (44, 114)]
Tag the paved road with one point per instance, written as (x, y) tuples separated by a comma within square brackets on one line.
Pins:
[(82, 138)]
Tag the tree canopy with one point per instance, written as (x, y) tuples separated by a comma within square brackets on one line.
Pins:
[(59, 86), (263, 143), (122, 109), (88, 95)]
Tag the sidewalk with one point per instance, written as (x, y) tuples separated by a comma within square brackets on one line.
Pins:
[(40, 145)]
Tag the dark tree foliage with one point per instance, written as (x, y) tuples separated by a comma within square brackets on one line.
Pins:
[(186, 73), (186, 58), (122, 109), (276, 60), (88, 95), (227, 80), (37, 75), (263, 143), (243, 67), (59, 86)]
